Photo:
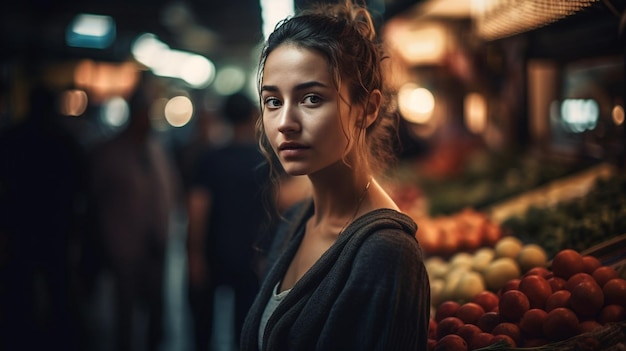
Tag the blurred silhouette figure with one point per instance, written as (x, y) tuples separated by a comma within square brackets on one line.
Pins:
[(134, 188), (227, 215), (42, 189)]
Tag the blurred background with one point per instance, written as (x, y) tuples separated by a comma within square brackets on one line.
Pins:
[(507, 106)]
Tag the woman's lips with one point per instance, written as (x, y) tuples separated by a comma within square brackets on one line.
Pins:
[(292, 149)]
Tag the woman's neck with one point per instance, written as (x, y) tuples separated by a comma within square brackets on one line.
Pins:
[(339, 198)]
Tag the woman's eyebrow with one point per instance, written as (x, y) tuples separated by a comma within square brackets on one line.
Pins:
[(301, 86)]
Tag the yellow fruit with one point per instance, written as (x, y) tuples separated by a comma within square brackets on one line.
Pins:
[(530, 256), (436, 267), (508, 246), (436, 291), (469, 286), (452, 280), (461, 259), (482, 259), (500, 271)]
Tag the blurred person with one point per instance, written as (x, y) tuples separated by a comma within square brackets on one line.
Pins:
[(349, 273), (134, 186), (199, 139), (228, 200), (42, 192)]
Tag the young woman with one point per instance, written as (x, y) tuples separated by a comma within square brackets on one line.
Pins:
[(349, 273)]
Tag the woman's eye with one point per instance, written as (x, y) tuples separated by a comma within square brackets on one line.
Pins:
[(312, 99), (272, 102)]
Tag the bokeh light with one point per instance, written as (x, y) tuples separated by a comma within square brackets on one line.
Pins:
[(178, 111)]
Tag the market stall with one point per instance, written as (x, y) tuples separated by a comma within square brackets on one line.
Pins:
[(517, 182)]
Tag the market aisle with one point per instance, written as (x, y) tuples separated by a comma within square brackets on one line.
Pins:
[(178, 327), (177, 320)]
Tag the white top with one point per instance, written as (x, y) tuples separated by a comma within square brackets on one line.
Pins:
[(272, 303)]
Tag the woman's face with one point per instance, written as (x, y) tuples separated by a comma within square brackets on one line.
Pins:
[(305, 120)]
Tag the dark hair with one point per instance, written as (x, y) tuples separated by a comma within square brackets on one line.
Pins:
[(345, 35), (238, 108)]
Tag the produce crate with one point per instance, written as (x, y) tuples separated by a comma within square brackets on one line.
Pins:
[(577, 212), (557, 191), (611, 337), (611, 253)]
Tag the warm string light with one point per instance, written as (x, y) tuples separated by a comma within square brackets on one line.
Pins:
[(502, 18)]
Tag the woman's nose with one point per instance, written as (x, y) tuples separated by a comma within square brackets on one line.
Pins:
[(288, 121)]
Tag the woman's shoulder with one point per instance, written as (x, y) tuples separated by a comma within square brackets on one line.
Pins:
[(387, 253), (392, 233)]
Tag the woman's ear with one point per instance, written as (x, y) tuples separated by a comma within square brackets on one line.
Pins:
[(372, 107)]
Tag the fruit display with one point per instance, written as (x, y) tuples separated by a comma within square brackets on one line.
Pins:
[(573, 303), (579, 223), (480, 178), (490, 268), (465, 231)]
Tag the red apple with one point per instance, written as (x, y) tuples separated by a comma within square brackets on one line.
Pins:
[(510, 329), (615, 291), (505, 339), (513, 304), (587, 298), (468, 331), (541, 271), (511, 284), (531, 323), (566, 263), (488, 321), (448, 325), (446, 309), (611, 314), (578, 278), (589, 326), (470, 312), (537, 289), (557, 283), (560, 324), (603, 274), (558, 298), (590, 264), (451, 342), (432, 329), (481, 340), (487, 299)]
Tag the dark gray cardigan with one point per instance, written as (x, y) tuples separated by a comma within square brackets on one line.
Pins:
[(369, 291)]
